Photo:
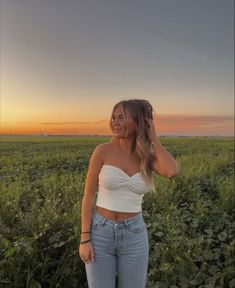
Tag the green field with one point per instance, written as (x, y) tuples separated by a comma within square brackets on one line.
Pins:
[(190, 219)]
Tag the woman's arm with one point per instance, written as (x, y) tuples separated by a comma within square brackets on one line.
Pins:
[(164, 164), (95, 164)]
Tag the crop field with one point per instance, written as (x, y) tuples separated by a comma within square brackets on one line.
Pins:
[(190, 218)]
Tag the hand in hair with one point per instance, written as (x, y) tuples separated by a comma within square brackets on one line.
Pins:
[(151, 129)]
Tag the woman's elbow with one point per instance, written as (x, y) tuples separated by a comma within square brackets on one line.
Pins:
[(173, 174)]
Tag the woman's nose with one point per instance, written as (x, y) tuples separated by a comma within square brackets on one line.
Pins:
[(116, 121)]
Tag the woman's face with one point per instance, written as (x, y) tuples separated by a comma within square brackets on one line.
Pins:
[(118, 124)]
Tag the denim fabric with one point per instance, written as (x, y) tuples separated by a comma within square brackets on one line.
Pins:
[(120, 248)]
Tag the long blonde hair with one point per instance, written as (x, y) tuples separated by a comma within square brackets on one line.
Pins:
[(139, 108)]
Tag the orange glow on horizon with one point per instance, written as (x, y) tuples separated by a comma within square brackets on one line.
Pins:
[(164, 124)]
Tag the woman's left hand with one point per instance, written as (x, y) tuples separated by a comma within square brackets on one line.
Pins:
[(151, 131)]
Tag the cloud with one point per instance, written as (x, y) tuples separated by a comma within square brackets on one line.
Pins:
[(64, 123)]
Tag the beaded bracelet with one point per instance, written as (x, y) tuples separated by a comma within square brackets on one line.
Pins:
[(86, 241)]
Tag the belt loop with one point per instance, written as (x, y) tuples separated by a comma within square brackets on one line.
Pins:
[(103, 221), (126, 222)]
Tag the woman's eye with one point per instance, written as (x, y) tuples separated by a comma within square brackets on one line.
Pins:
[(118, 118)]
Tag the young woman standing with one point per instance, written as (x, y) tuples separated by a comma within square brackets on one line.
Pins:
[(114, 238)]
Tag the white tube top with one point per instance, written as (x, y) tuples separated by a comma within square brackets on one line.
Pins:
[(117, 191)]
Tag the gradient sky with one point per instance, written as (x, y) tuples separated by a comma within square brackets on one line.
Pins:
[(64, 64)]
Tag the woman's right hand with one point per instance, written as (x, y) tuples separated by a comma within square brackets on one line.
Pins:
[(86, 252)]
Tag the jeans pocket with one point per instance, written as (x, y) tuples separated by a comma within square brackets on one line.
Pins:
[(96, 224), (137, 227)]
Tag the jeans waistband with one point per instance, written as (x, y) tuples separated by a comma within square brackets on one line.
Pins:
[(125, 221)]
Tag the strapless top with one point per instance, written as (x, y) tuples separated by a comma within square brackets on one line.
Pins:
[(117, 191)]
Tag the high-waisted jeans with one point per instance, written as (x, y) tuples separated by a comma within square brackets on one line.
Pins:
[(121, 248)]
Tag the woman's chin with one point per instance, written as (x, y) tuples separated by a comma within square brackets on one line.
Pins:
[(118, 135)]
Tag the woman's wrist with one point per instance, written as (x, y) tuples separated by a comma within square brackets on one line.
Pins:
[(85, 241), (85, 236)]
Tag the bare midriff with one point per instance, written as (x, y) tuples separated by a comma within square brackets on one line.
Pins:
[(114, 215)]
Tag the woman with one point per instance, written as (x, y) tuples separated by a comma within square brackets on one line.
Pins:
[(114, 238)]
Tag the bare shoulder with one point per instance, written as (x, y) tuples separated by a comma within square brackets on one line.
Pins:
[(108, 151), (95, 164), (107, 146), (100, 151), (103, 147)]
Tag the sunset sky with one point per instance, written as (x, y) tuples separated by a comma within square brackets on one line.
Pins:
[(64, 64)]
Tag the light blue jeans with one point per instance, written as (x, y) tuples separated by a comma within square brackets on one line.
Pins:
[(120, 248)]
